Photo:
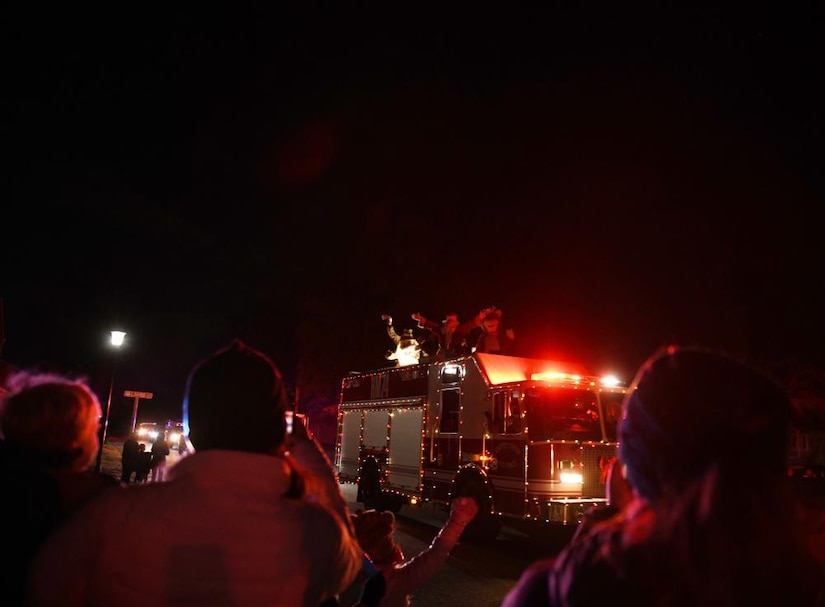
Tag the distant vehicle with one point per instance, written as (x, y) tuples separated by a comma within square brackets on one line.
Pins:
[(175, 435), (148, 431)]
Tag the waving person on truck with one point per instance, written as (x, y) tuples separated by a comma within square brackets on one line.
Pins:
[(450, 334), (407, 347), (493, 338)]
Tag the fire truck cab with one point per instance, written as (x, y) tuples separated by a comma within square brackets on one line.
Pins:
[(527, 438)]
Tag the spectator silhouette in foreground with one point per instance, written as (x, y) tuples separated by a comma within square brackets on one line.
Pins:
[(49, 427), (374, 531), (709, 519), (239, 521), (129, 458)]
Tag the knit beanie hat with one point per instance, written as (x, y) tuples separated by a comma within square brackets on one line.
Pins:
[(374, 531), (235, 400), (690, 408)]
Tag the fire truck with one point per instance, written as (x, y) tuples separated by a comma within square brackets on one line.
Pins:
[(527, 438)]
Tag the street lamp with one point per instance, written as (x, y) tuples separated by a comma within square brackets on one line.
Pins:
[(117, 341)]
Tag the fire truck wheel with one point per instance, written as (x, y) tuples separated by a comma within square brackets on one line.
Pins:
[(486, 525), (369, 485), (391, 502), (371, 499), (381, 501)]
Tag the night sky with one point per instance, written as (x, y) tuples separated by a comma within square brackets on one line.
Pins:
[(612, 181)]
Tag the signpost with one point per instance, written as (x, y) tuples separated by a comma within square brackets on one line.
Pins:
[(137, 396)]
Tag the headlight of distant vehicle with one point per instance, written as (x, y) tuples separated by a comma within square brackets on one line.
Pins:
[(174, 437), (153, 434)]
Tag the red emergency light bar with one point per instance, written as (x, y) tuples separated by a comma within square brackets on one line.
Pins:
[(609, 381), (505, 369)]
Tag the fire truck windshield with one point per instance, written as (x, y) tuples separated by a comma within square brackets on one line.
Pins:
[(562, 415)]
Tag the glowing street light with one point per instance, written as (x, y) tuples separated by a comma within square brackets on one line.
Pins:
[(117, 341)]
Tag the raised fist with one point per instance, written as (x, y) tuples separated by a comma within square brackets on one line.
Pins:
[(387, 318)]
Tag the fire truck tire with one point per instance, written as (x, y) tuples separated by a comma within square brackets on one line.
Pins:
[(382, 500), (486, 525), (369, 485), (371, 499), (391, 502), (370, 492)]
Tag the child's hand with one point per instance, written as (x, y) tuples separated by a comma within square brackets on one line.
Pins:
[(463, 510)]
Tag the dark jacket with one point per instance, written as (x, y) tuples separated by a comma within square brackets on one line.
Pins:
[(39, 492)]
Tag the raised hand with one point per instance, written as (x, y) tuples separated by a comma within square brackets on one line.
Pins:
[(463, 510)]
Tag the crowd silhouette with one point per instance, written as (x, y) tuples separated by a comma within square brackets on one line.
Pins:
[(698, 509)]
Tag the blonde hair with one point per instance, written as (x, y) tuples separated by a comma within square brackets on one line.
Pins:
[(51, 414)]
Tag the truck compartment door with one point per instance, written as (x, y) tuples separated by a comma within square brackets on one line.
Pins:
[(350, 444), (376, 424), (406, 426)]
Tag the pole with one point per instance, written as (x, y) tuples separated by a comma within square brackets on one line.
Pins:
[(134, 412), (106, 417)]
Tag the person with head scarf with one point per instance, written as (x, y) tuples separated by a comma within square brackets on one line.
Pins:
[(707, 516)]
